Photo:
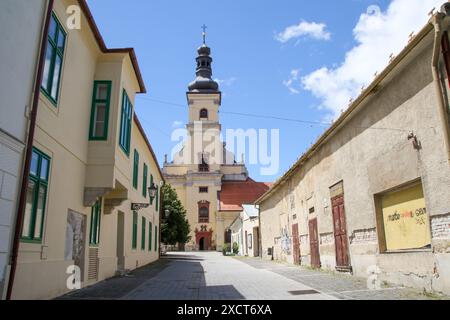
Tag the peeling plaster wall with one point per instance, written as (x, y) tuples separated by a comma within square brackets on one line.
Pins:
[(371, 154)]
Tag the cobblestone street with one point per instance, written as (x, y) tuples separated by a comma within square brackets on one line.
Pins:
[(211, 276)]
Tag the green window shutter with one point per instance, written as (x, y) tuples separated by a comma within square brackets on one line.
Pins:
[(144, 225), (151, 183), (149, 236), (94, 235), (101, 99), (156, 238), (144, 181), (135, 228), (56, 40), (33, 222), (125, 124), (135, 169)]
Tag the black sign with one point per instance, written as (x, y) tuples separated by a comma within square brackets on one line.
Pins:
[(139, 206)]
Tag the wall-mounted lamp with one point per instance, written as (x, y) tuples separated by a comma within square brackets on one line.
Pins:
[(152, 191)]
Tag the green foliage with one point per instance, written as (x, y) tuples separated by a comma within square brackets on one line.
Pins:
[(174, 228), (226, 249), (235, 248)]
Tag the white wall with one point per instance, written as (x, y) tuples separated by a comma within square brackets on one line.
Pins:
[(20, 32)]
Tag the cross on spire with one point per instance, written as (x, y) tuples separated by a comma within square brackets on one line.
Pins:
[(204, 27)]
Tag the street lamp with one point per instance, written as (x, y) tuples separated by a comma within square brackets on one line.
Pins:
[(166, 213), (152, 191)]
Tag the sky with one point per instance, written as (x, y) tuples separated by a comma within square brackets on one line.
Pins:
[(300, 60)]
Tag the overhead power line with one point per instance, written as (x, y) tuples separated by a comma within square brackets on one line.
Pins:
[(269, 117)]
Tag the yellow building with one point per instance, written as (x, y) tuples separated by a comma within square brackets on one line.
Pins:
[(92, 164), (211, 185)]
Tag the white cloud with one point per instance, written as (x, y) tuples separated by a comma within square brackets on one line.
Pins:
[(292, 81), (304, 29), (177, 124), (227, 82), (377, 34)]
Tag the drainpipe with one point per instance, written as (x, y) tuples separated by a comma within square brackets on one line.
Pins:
[(29, 151), (161, 212), (436, 20), (260, 249)]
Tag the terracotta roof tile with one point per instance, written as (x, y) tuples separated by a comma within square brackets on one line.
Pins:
[(236, 193)]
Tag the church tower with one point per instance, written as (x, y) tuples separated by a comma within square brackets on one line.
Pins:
[(203, 168)]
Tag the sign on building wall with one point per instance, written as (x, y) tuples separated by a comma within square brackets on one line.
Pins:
[(406, 222)]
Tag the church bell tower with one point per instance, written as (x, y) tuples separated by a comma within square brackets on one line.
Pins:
[(204, 99)]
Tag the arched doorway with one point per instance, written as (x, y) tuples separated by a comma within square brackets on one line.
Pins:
[(201, 244), (203, 239)]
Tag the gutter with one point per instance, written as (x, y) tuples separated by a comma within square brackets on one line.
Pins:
[(101, 43), (29, 150), (437, 22)]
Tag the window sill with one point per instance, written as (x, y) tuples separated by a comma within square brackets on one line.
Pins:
[(31, 241), (406, 251), (127, 153), (98, 139), (49, 98)]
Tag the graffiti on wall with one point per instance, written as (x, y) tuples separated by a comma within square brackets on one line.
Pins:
[(405, 218), (285, 241)]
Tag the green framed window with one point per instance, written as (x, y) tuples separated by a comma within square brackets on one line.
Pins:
[(144, 226), (135, 169), (150, 236), (135, 229), (33, 221), (54, 55), (156, 238), (144, 181), (94, 234), (125, 123), (101, 99)]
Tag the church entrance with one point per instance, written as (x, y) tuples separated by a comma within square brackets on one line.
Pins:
[(203, 239), (201, 244)]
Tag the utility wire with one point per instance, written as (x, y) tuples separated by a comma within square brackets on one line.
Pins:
[(260, 116)]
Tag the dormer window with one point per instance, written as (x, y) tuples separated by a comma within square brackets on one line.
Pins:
[(204, 114)]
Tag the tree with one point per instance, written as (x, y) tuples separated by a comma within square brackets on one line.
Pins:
[(175, 227)]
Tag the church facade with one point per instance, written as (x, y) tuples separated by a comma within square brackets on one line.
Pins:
[(203, 167)]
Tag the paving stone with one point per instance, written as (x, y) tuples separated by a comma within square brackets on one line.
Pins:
[(212, 276)]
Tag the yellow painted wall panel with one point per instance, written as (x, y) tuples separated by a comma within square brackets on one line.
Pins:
[(405, 218)]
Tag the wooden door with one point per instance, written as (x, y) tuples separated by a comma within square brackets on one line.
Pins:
[(340, 233), (314, 243), (295, 244)]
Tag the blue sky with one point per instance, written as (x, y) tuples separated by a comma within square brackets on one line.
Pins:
[(307, 77)]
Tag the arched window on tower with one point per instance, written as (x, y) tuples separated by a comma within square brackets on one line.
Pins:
[(203, 212), (203, 166), (204, 114)]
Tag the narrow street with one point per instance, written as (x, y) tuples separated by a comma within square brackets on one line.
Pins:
[(211, 276)]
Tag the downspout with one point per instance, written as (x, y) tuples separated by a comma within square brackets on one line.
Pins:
[(259, 232), (161, 212), (436, 20), (29, 151)]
